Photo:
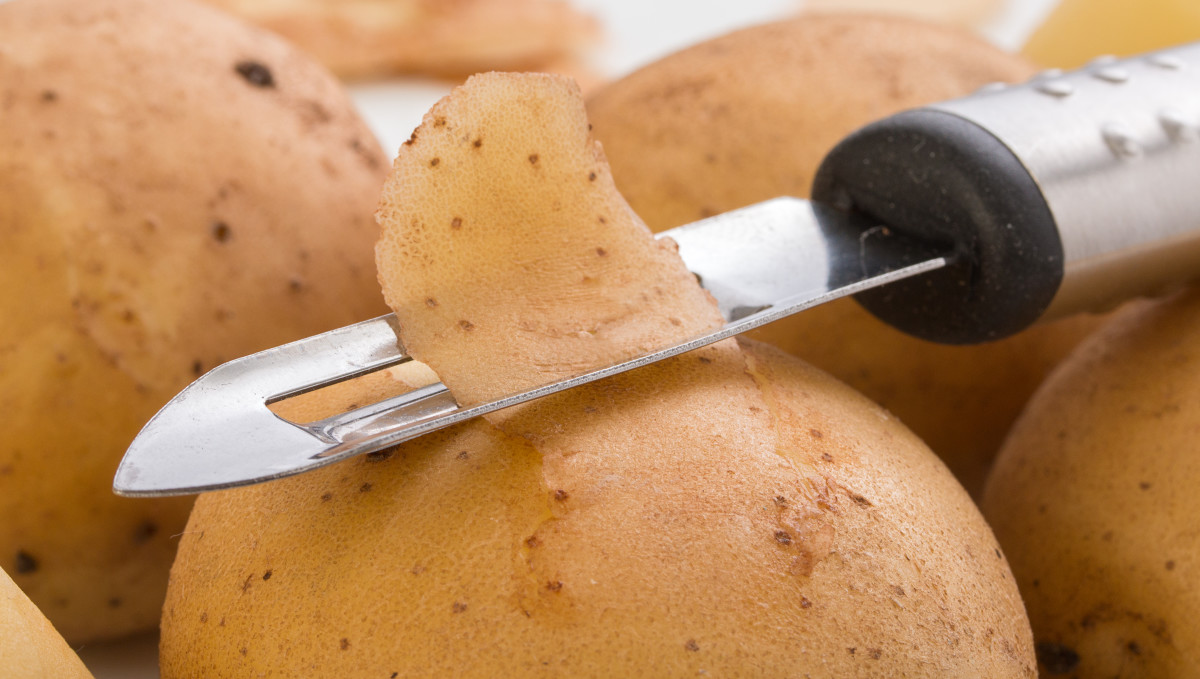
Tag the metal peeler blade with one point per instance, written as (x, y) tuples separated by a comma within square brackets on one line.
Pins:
[(761, 263)]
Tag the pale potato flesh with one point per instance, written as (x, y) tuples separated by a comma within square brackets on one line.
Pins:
[(30, 647)]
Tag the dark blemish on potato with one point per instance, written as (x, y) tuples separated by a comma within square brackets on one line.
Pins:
[(25, 563), (255, 73), (204, 617), (268, 574), (554, 585), (466, 325), (1108, 536), (49, 96), (783, 537), (295, 285), (805, 603), (1170, 565), (394, 675), (898, 590), (144, 531), (1037, 583), (589, 127), (780, 501), (1144, 485), (861, 500), (1133, 648), (816, 433), (827, 457), (434, 162), (876, 653), (411, 140), (243, 650), (998, 554), (601, 252), (439, 121), (561, 495), (379, 456), (114, 602), (602, 220), (591, 176), (462, 455), (197, 367), (430, 302), (344, 644), (706, 360), (691, 645), (852, 650), (221, 232), (1056, 658), (417, 569), (221, 622), (477, 143), (533, 159), (675, 321), (365, 488), (706, 212), (458, 607), (326, 497), (456, 223), (246, 583), (532, 542)]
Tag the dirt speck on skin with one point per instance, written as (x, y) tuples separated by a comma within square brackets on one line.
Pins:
[(25, 563), (1056, 658), (344, 644), (459, 607), (255, 73), (691, 645)]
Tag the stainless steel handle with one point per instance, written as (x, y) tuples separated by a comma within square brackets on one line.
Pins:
[(1115, 149)]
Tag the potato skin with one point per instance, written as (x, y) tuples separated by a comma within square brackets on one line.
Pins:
[(1093, 497), (30, 648), (176, 190), (733, 510), (748, 117)]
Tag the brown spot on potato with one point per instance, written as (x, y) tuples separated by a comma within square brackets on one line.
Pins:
[(533, 159), (827, 457), (344, 644), (434, 162), (295, 285), (380, 455), (459, 607), (816, 433), (456, 223), (554, 585), (601, 252), (365, 488), (25, 563), (417, 569), (463, 455), (1133, 648), (221, 232), (1170, 565), (326, 497), (197, 367), (267, 575), (466, 325), (114, 602), (591, 176), (144, 532), (532, 541), (691, 645), (783, 537), (49, 96), (255, 73), (204, 617), (561, 495), (805, 603), (706, 360), (431, 302), (875, 653), (477, 143), (1056, 658), (243, 650), (780, 501), (860, 500)]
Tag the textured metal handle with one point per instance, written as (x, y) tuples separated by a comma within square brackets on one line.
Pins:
[(1115, 149)]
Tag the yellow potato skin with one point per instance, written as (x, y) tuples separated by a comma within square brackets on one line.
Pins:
[(153, 226), (747, 517), (30, 647), (1093, 497), (748, 117), (729, 511)]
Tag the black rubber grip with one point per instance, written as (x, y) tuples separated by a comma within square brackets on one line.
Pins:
[(940, 178)]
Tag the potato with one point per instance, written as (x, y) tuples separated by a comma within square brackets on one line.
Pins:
[(748, 117), (1094, 498), (30, 647), (362, 38), (731, 511), (172, 186)]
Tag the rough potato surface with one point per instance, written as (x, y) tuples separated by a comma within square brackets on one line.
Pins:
[(1094, 498), (749, 116), (173, 186), (730, 512)]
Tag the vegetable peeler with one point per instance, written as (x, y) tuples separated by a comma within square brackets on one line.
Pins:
[(961, 222)]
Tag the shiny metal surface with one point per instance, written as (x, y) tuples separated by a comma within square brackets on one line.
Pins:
[(761, 263), (1114, 149)]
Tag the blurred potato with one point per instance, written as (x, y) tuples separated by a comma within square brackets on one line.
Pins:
[(749, 116), (176, 190)]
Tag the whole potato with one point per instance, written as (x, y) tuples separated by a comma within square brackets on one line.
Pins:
[(748, 117), (731, 511), (1093, 497), (172, 184)]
